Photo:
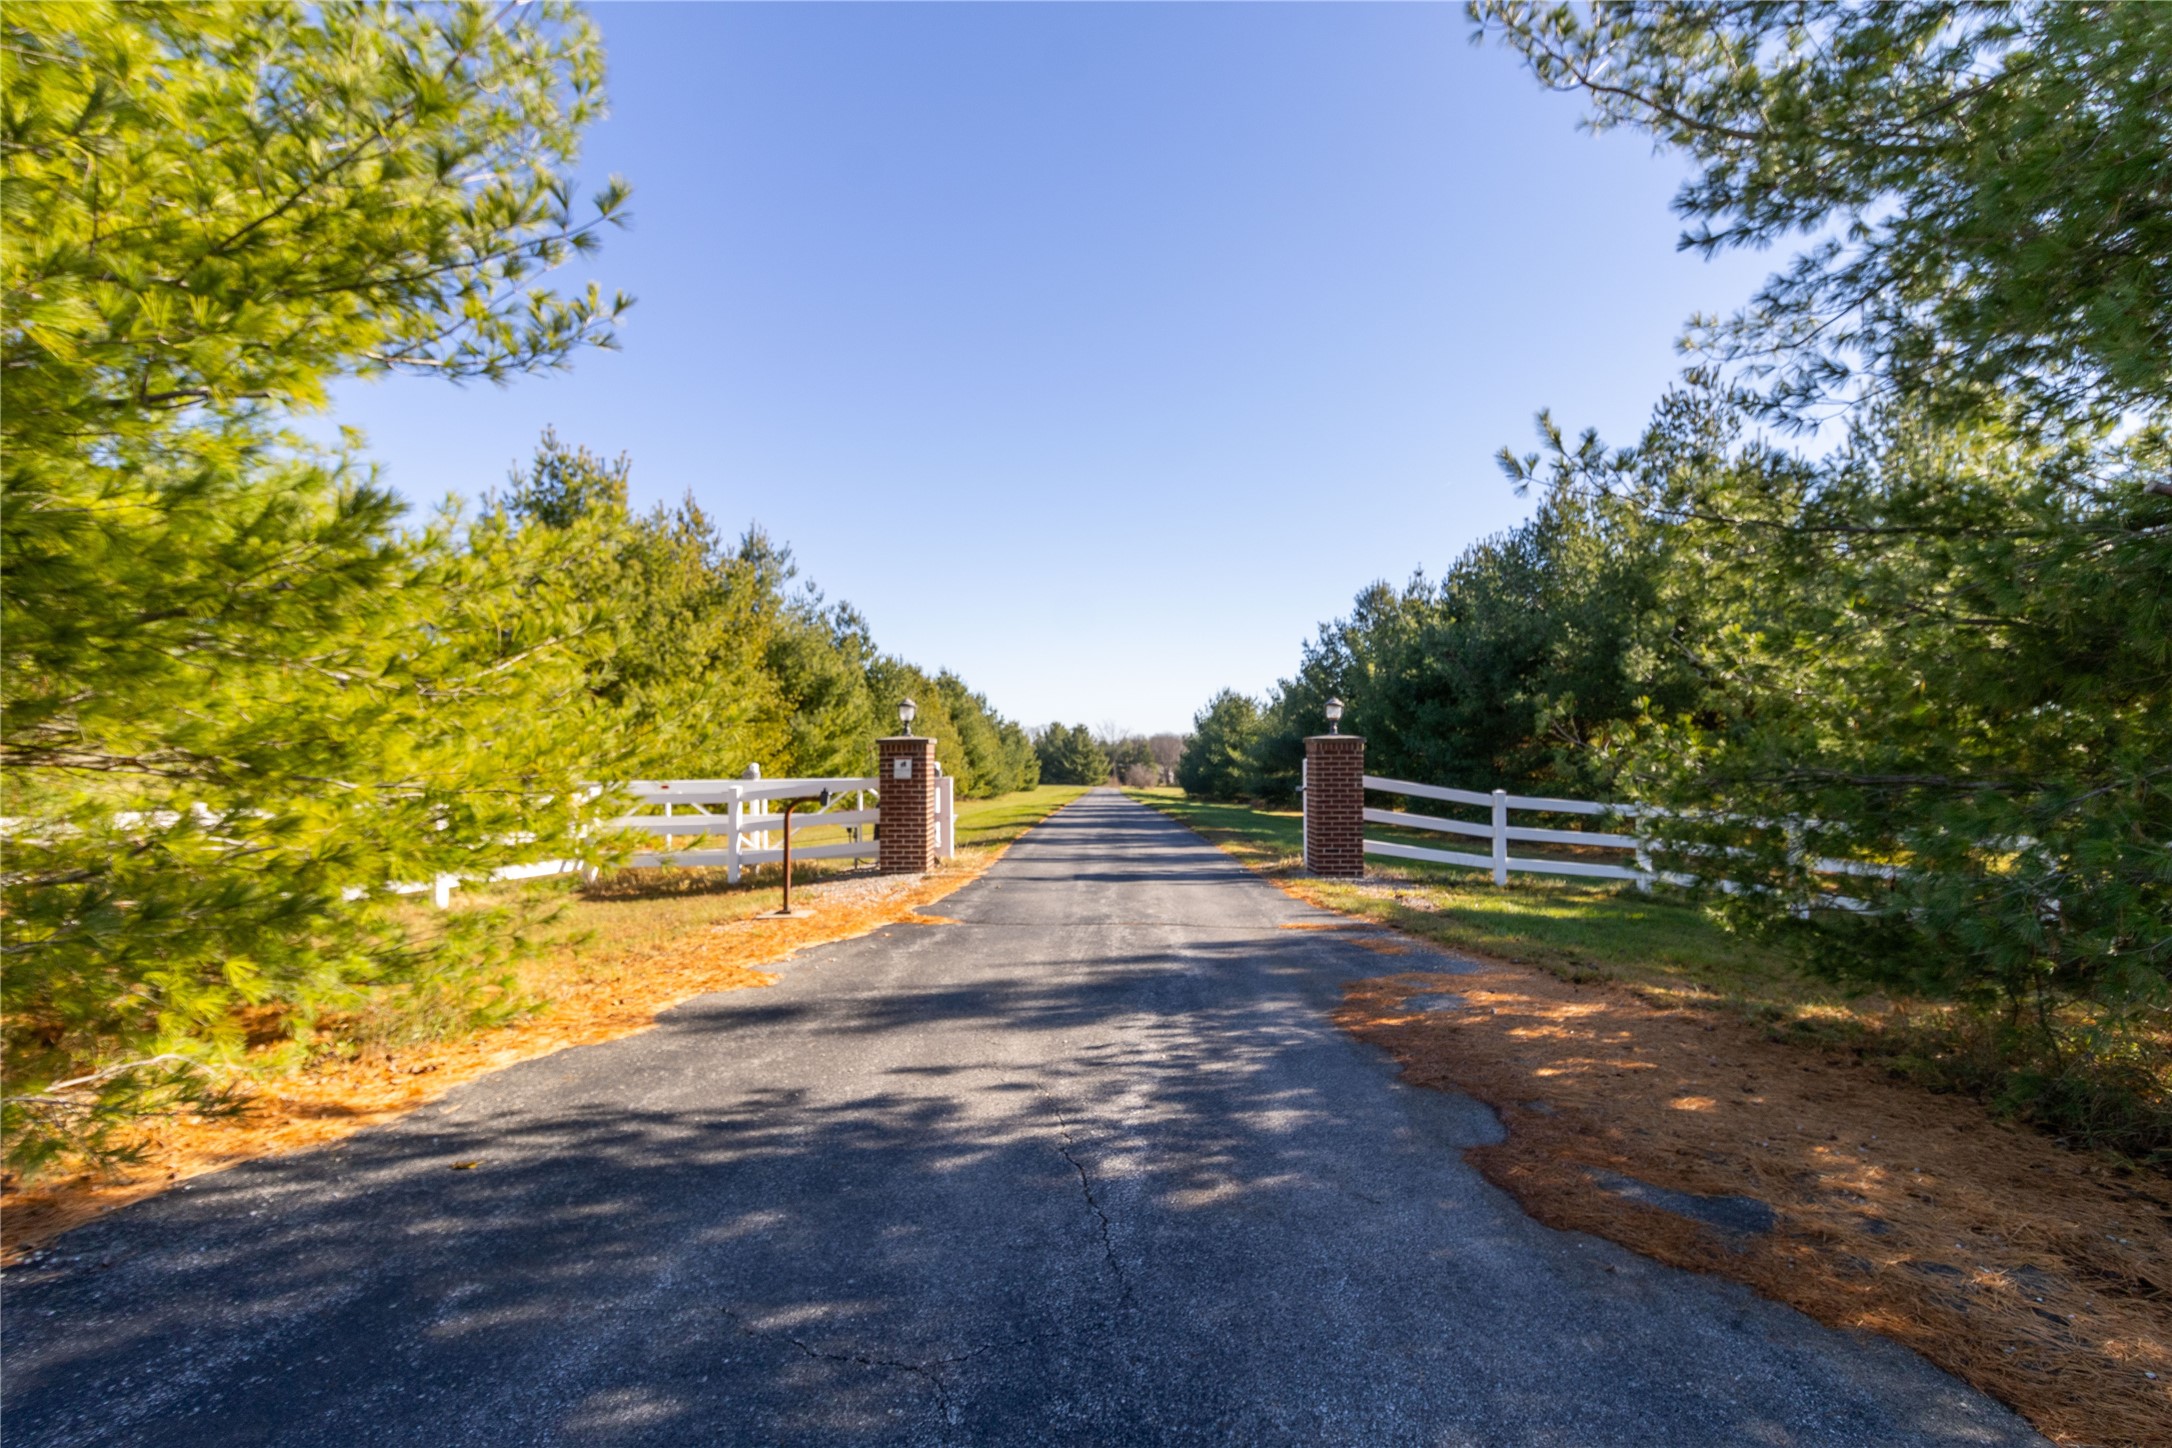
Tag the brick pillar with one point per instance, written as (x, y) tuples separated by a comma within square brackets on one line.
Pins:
[(1335, 805), (905, 831)]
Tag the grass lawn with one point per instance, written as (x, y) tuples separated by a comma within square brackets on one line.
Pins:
[(1575, 929), (998, 821)]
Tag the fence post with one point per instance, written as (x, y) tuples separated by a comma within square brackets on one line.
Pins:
[(1304, 780), (1644, 854), (905, 823), (1500, 837), (1335, 805), (1792, 832), (731, 841)]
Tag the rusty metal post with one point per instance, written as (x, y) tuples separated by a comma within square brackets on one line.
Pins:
[(820, 801), (790, 805)]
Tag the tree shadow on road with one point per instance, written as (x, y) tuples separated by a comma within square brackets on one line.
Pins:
[(1147, 1199)]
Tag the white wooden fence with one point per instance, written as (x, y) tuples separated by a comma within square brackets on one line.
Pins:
[(744, 813), (735, 823), (1500, 834)]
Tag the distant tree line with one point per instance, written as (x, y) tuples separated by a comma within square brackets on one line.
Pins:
[(1938, 640), (1142, 761), (1074, 754), (1070, 755)]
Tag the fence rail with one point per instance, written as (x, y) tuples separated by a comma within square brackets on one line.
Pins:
[(744, 813), (1500, 834)]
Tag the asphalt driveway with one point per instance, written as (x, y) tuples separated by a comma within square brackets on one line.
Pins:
[(1088, 1166)]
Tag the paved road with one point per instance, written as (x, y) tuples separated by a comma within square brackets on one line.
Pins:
[(1089, 1166)]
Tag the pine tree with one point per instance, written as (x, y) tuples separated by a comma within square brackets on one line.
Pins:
[(240, 699)]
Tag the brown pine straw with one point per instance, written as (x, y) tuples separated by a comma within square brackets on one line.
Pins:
[(593, 995), (2042, 1276)]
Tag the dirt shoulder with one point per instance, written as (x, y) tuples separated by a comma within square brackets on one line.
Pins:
[(2040, 1275)]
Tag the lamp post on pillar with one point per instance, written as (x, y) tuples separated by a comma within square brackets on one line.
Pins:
[(905, 837), (1335, 800)]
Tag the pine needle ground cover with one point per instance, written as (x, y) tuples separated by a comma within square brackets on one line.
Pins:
[(623, 950), (1630, 1044)]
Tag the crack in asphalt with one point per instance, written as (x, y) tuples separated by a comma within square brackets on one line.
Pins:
[(926, 1371), (1093, 1203), (929, 1370)]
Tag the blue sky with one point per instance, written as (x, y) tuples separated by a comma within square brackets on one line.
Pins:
[(1159, 330)]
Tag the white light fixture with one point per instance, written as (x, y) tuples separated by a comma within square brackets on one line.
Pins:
[(905, 710), (1334, 716)]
